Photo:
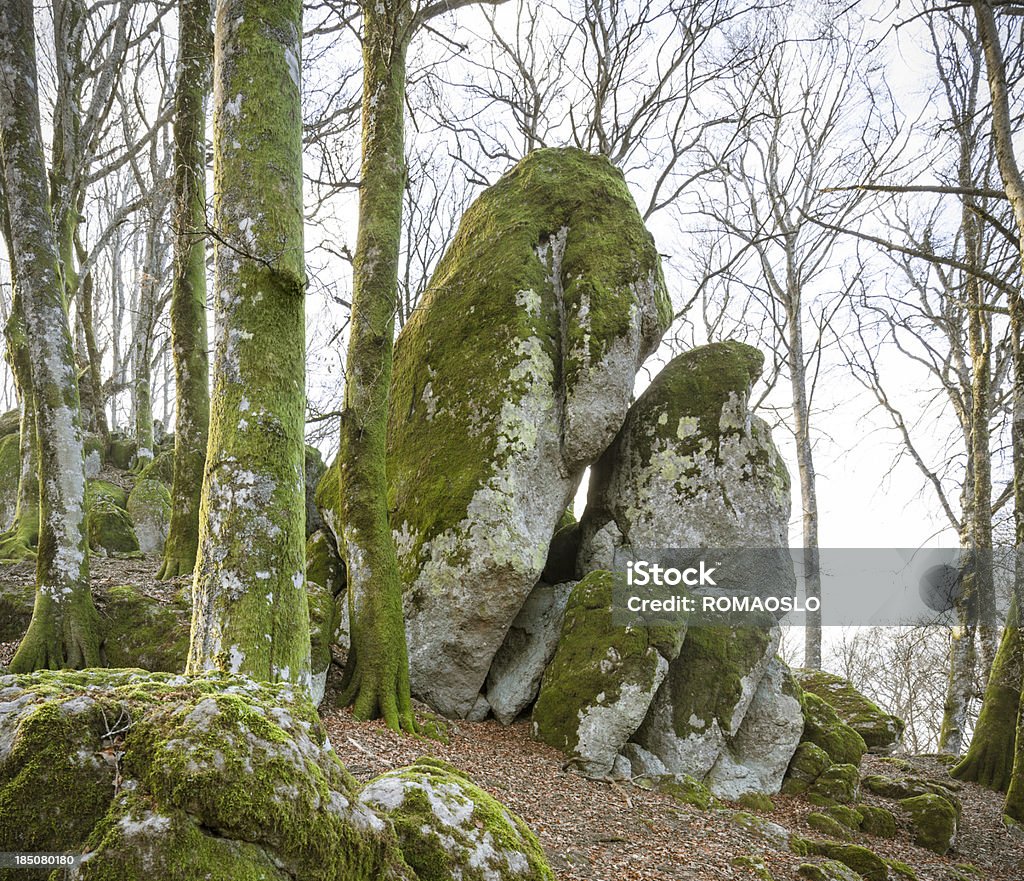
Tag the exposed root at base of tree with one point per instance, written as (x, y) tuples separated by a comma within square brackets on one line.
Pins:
[(378, 692)]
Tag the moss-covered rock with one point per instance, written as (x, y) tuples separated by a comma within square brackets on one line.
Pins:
[(934, 820), (755, 865), (908, 787), (850, 817), (829, 825), (120, 452), (691, 466), (314, 470), (149, 506), (827, 870), (110, 529), (877, 821), (164, 776), (10, 422), (138, 630), (161, 468), (599, 685), (512, 375), (710, 686), (323, 565), (105, 491), (16, 601), (450, 828), (809, 762), (682, 787), (881, 731), (823, 727), (757, 801), (10, 472), (866, 863), (93, 447), (324, 617), (839, 784)]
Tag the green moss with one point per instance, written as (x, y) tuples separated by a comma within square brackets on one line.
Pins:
[(823, 727), (10, 474), (908, 787), (827, 870), (324, 617), (839, 784), (755, 865), (731, 651), (757, 801), (880, 730), (121, 452), (149, 506), (809, 762), (110, 529), (16, 600), (221, 756), (861, 860), (686, 790), (160, 468), (141, 631), (850, 817), (596, 657), (934, 820), (828, 825), (445, 398), (104, 490), (450, 828), (877, 821), (323, 565)]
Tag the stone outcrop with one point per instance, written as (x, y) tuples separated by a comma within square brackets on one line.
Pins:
[(511, 377)]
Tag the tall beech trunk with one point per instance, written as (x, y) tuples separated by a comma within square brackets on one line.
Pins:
[(377, 674), (188, 292), (1013, 182), (63, 630), (250, 612)]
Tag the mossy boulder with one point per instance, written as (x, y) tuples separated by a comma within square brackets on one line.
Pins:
[(934, 820), (823, 727), (10, 422), (757, 801), (809, 762), (908, 787), (10, 472), (709, 688), (511, 377), (600, 683), (682, 787), (155, 775), (16, 601), (877, 821), (120, 452), (829, 825), (138, 630), (323, 565), (881, 731), (450, 828), (93, 448), (828, 870), (691, 467), (110, 529), (149, 506), (851, 817), (518, 666), (864, 862), (314, 470), (161, 468), (839, 784), (105, 491), (324, 617)]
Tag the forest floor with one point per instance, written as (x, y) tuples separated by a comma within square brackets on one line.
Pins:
[(598, 831)]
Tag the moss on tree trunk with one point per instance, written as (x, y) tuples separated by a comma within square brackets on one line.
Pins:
[(188, 293), (377, 675), (250, 613), (63, 630)]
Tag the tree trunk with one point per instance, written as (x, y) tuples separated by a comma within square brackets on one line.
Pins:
[(19, 542), (63, 630), (96, 421), (142, 340), (250, 612), (1009, 170), (188, 294), (808, 488), (377, 674)]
